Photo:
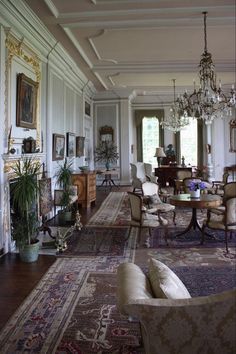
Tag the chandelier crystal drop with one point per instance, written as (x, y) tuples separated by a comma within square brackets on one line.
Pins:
[(209, 101), (178, 117)]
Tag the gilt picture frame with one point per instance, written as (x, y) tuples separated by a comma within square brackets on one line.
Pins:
[(80, 146), (26, 102), (58, 148), (70, 144)]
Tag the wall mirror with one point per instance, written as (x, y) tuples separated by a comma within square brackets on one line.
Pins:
[(232, 125), (106, 133)]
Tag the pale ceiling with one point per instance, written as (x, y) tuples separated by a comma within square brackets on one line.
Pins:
[(142, 45)]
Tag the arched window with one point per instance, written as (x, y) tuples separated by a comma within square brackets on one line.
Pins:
[(151, 118)]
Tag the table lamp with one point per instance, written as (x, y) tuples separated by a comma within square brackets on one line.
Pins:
[(159, 155)]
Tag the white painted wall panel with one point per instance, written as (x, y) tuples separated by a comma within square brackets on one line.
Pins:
[(57, 105), (69, 110)]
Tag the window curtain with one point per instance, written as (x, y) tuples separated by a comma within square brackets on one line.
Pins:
[(139, 115), (200, 142), (177, 147)]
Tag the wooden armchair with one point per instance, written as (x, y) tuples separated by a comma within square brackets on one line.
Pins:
[(140, 219), (218, 186), (181, 175), (153, 201), (226, 220)]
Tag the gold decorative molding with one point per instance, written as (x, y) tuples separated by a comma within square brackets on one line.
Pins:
[(10, 160), (18, 48)]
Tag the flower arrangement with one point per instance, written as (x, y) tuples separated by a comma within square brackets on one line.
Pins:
[(107, 152), (194, 186)]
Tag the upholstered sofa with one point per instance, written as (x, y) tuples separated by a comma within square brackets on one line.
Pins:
[(171, 320)]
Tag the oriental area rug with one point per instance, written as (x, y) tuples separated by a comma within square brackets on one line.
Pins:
[(73, 309), (114, 211)]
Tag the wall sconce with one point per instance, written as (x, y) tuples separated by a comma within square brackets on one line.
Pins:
[(159, 155)]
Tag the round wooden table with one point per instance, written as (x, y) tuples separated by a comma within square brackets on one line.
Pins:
[(206, 201), (108, 180)]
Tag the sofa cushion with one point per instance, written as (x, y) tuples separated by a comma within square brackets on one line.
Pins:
[(134, 284), (165, 283), (154, 199)]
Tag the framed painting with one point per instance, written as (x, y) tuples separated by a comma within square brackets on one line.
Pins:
[(26, 102), (106, 133), (70, 144), (80, 146), (58, 148)]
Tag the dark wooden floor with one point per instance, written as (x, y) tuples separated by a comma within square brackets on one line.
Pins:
[(17, 279)]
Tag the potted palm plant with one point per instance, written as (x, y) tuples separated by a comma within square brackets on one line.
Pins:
[(64, 181), (24, 197), (106, 152)]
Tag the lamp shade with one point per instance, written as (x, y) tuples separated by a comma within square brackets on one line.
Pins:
[(160, 152)]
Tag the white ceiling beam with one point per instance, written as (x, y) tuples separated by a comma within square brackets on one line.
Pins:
[(214, 11), (137, 23)]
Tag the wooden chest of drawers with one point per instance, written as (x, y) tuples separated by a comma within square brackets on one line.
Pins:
[(86, 183)]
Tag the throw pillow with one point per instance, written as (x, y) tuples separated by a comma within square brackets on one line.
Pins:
[(154, 199), (165, 283)]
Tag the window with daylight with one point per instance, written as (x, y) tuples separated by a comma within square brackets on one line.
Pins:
[(189, 143), (150, 139)]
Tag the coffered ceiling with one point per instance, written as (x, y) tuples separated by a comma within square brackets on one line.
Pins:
[(141, 45)]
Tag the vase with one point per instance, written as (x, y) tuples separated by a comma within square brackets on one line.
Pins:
[(195, 194), (107, 166)]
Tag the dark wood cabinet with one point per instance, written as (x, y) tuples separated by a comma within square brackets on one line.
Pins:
[(169, 174), (86, 183)]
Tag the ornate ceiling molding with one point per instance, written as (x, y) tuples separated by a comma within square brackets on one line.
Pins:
[(52, 8), (91, 41)]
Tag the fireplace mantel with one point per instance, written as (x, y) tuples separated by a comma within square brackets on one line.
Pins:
[(10, 160)]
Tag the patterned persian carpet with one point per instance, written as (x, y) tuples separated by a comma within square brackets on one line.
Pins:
[(73, 308), (114, 211), (103, 241)]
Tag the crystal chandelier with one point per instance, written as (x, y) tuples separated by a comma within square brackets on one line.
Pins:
[(209, 101), (178, 117)]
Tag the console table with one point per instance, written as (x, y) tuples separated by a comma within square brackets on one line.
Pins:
[(168, 174), (86, 183)]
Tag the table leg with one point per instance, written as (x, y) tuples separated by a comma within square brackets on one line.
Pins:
[(112, 181), (109, 181), (193, 224)]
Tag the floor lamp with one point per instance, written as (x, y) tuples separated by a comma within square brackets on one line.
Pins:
[(159, 155)]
